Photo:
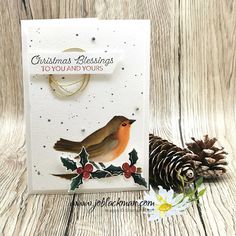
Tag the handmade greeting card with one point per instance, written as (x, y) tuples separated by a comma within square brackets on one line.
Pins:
[(86, 88)]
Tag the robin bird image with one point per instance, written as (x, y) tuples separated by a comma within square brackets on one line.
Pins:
[(103, 145)]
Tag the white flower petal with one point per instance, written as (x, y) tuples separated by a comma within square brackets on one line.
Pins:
[(170, 213), (184, 202), (170, 196), (183, 208), (154, 217), (177, 199), (179, 212), (150, 196), (152, 191), (162, 192)]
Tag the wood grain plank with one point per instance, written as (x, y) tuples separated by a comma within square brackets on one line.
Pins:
[(201, 56), (208, 39)]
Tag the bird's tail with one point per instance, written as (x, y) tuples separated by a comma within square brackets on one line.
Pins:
[(67, 146)]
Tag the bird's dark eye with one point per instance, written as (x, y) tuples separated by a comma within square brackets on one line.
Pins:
[(124, 124)]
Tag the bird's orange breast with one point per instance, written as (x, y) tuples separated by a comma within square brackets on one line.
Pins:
[(123, 139)]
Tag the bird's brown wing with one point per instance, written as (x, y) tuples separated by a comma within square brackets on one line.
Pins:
[(96, 137), (102, 148)]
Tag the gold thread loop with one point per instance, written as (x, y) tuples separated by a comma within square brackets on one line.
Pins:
[(61, 89)]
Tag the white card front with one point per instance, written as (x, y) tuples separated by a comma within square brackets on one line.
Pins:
[(86, 87)]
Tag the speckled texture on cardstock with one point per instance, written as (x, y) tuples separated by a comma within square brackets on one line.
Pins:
[(125, 92)]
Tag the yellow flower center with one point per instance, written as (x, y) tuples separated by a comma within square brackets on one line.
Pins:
[(164, 207)]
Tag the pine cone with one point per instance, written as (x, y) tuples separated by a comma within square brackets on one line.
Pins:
[(209, 160), (170, 166)]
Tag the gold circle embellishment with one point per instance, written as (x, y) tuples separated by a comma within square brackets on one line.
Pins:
[(63, 89)]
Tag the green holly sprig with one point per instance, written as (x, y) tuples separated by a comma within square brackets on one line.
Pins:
[(86, 170)]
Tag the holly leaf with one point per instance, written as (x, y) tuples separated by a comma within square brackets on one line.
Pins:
[(94, 164), (101, 164), (76, 182), (83, 156), (98, 174), (68, 163), (133, 157), (138, 179), (114, 170)]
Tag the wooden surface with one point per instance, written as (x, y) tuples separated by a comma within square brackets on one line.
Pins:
[(193, 86)]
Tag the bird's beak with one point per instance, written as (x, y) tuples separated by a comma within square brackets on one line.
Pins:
[(131, 121)]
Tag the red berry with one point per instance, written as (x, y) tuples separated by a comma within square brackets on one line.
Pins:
[(88, 167), (79, 170), (127, 174), (86, 175), (125, 166), (132, 169)]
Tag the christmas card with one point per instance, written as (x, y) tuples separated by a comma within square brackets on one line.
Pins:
[(86, 93)]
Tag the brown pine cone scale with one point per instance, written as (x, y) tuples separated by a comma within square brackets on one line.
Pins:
[(169, 166), (209, 160)]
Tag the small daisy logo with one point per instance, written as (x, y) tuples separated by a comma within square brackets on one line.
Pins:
[(166, 203)]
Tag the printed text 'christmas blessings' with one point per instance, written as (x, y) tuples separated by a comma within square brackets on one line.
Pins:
[(73, 63)]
